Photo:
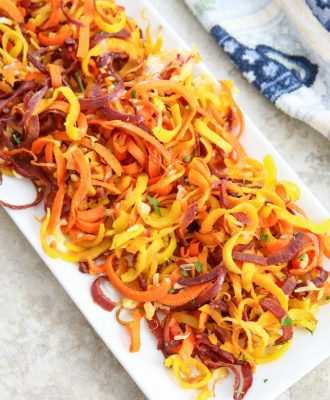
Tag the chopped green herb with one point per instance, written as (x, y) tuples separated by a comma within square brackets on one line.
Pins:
[(266, 380), (244, 358), (193, 301), (171, 291), (281, 343), (184, 273), (133, 94), (187, 159), (16, 138), (283, 236), (301, 257), (239, 391), (286, 321), (79, 81), (155, 205), (198, 266), (115, 83), (115, 246), (264, 238), (327, 298)]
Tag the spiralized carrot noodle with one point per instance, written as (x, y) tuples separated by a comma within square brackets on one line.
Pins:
[(145, 183)]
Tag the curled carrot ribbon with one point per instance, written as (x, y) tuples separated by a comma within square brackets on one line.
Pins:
[(147, 185)]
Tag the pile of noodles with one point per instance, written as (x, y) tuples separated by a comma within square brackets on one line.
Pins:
[(146, 185)]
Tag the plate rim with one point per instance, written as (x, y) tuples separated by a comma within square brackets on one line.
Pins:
[(91, 314)]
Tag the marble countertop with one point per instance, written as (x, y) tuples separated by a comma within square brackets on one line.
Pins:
[(48, 350)]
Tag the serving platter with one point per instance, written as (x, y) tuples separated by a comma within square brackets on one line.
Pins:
[(147, 367)]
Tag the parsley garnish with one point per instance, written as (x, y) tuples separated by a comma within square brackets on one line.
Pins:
[(115, 83), (327, 298), (155, 205), (266, 380), (171, 291), (264, 238), (79, 81), (198, 266), (133, 94), (239, 391), (281, 343), (187, 159), (301, 257), (283, 236), (92, 141), (286, 321), (184, 273), (16, 138)]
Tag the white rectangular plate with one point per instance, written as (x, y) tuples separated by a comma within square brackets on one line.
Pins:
[(146, 367)]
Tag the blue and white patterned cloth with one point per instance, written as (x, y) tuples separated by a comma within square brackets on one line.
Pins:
[(282, 47)]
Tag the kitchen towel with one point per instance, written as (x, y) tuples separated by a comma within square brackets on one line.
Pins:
[(282, 47)]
